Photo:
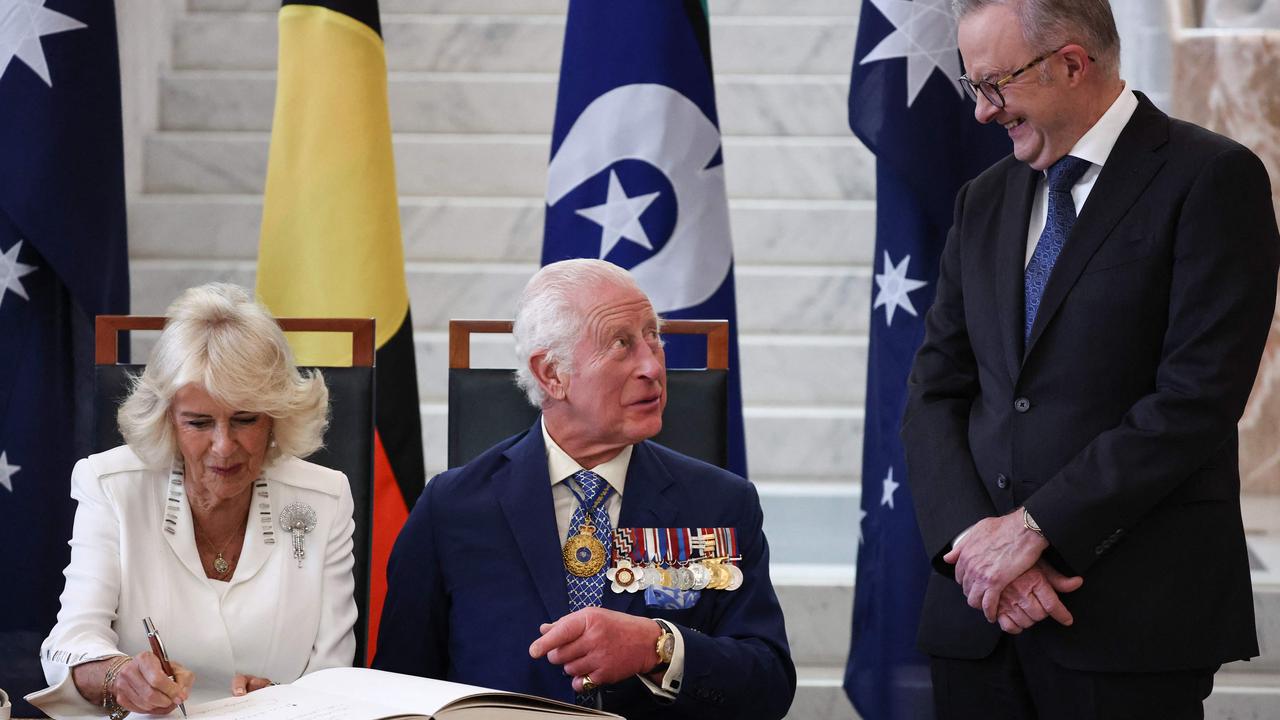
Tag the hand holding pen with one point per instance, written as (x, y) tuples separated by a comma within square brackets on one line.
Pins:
[(155, 684)]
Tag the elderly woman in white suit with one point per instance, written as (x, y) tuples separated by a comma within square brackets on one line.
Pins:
[(183, 525)]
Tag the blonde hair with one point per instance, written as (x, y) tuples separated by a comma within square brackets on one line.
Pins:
[(217, 337)]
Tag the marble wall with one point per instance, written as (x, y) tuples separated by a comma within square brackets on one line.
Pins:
[(1229, 81)]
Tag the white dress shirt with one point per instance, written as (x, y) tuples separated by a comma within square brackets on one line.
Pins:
[(133, 554), (1094, 146), (560, 468)]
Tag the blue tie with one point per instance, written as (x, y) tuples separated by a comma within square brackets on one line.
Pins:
[(1063, 175), (588, 591)]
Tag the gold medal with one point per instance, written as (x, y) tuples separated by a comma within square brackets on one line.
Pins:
[(583, 553)]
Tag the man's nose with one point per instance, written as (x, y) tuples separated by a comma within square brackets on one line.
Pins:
[(983, 109), (652, 361)]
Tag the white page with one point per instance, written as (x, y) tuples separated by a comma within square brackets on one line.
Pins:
[(285, 702), (403, 693)]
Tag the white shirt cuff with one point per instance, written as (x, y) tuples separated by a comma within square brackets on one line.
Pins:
[(673, 678)]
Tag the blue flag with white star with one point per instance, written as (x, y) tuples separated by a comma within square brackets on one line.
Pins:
[(907, 108), (63, 260), (636, 174)]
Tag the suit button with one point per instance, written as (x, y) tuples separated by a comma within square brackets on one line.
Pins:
[(1022, 404), (1002, 482)]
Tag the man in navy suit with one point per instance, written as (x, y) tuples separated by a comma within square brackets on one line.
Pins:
[(1103, 301), (480, 590)]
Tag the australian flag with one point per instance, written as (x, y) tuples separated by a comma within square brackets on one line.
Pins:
[(63, 260), (636, 174), (907, 108)]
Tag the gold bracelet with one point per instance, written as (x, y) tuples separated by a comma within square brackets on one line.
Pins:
[(114, 711)]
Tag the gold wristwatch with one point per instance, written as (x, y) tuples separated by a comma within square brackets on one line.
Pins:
[(666, 646)]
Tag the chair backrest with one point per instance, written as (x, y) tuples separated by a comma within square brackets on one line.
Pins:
[(485, 405), (348, 443)]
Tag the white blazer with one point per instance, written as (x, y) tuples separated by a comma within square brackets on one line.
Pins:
[(133, 554)]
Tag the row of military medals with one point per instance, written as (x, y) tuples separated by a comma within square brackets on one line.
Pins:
[(681, 558)]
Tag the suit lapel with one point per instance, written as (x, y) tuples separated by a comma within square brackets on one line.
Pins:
[(1011, 253), (645, 503), (1128, 171), (523, 490)]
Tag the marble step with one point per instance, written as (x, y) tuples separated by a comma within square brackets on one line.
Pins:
[(777, 369), (765, 232), (521, 43), (787, 300), (545, 7), (458, 102), (819, 695), (822, 168)]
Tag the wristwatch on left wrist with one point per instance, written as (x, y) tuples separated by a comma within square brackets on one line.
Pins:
[(666, 646), (1030, 523)]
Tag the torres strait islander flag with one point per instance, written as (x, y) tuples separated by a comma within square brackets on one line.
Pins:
[(330, 244)]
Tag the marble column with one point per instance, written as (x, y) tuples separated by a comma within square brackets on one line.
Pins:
[(1228, 80)]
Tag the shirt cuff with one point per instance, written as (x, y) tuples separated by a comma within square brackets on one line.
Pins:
[(673, 678)]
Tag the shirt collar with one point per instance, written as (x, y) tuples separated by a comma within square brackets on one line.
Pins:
[(1095, 146), (561, 466)]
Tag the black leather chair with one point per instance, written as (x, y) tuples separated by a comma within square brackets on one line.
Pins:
[(348, 443), (485, 405)]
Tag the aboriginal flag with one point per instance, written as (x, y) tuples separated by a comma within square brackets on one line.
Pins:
[(330, 244)]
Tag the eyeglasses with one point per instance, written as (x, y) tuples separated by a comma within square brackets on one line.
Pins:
[(991, 90)]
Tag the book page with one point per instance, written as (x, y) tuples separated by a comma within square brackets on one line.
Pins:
[(404, 693), (286, 702)]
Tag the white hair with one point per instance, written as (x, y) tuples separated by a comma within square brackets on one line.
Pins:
[(217, 337), (549, 315)]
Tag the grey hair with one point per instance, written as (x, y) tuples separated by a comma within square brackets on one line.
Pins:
[(217, 337), (1049, 24), (549, 315)]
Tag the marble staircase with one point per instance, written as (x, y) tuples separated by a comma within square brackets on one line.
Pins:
[(472, 92)]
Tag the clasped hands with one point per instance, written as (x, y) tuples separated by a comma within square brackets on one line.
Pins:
[(605, 645), (1001, 572)]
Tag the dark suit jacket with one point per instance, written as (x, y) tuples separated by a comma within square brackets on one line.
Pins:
[(477, 569), (1116, 424)]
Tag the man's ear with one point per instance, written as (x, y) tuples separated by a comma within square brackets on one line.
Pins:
[(1077, 63), (550, 379)]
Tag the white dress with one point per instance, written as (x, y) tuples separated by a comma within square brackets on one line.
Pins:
[(133, 554)]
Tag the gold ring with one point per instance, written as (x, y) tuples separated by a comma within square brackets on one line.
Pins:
[(588, 684)]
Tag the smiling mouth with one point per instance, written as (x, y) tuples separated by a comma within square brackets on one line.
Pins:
[(228, 470), (1014, 123)]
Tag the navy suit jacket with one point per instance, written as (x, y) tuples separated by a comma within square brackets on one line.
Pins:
[(1115, 424), (477, 568)]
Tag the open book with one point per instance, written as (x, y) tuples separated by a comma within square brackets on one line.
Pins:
[(360, 694)]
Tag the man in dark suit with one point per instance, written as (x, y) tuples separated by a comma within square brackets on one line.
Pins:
[(481, 591), (1103, 301)]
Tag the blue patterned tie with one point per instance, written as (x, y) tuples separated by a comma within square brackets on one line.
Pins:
[(588, 591), (1063, 175)]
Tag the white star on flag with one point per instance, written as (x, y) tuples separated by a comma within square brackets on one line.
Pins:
[(619, 217), (11, 272), (862, 515), (889, 486), (894, 287), (7, 472), (22, 24), (924, 34)]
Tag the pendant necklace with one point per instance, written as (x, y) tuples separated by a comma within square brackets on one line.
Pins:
[(220, 564)]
